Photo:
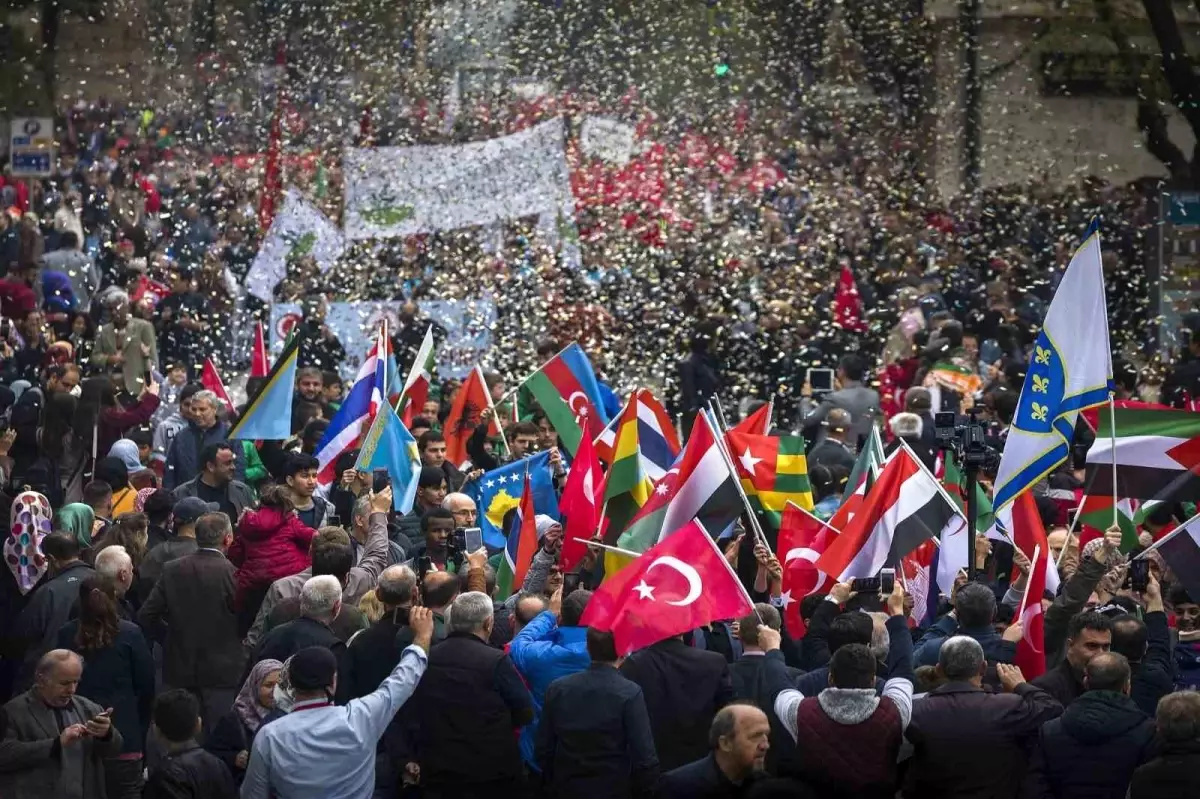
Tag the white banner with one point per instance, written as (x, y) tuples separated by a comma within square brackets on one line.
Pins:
[(602, 137), (402, 191), (298, 229), (468, 325)]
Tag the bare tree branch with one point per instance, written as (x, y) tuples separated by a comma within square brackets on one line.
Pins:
[(1177, 65)]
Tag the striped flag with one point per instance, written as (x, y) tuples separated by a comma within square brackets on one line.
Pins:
[(420, 375), (1157, 455), (521, 547)]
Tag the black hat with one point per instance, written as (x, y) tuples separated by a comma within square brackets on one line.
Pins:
[(312, 668)]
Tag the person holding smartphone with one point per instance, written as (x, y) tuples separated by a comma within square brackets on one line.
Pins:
[(74, 735)]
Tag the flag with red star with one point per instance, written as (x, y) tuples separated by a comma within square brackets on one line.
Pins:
[(773, 471)]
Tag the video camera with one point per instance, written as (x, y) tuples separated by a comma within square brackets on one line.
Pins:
[(967, 439)]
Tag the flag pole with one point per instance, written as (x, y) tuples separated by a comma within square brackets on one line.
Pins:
[(1029, 579), (607, 547), (382, 353), (716, 403), (770, 415), (607, 427), (813, 516), (1071, 530), (1112, 435), (719, 438), (491, 405)]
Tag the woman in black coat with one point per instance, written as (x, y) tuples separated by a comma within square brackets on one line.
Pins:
[(118, 673), (233, 736)]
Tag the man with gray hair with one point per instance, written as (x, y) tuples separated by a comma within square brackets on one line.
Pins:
[(967, 741), (470, 700), (204, 427), (114, 563), (360, 535), (375, 651), (125, 342), (320, 604), (1176, 772), (56, 741)]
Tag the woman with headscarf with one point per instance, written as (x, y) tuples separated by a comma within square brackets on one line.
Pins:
[(119, 675), (30, 523), (140, 477), (233, 736), (79, 520), (112, 471)]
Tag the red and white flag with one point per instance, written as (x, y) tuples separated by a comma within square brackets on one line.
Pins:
[(580, 505), (210, 378), (416, 386), (1031, 649), (847, 304), (465, 414), (802, 539), (1024, 523), (902, 510), (260, 364), (680, 584)]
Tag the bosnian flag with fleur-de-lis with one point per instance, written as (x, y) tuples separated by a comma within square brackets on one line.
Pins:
[(1070, 370)]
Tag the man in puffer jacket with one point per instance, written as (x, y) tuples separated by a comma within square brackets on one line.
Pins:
[(1093, 748), (848, 737)]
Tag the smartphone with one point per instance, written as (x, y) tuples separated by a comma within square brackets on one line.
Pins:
[(147, 378), (472, 539), (1139, 574), (885, 583), (820, 379), (380, 480)]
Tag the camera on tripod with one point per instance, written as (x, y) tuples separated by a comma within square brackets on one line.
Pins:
[(967, 439)]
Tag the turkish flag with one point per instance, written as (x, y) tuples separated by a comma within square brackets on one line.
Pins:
[(210, 378), (580, 505), (802, 539), (679, 584), (847, 304), (1031, 649), (260, 364)]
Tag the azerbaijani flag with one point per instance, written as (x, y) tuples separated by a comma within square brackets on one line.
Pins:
[(773, 471), (567, 390), (521, 547)]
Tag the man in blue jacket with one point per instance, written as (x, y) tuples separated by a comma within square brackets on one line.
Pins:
[(548, 648), (974, 609)]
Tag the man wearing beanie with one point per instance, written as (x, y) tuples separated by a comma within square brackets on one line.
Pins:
[(324, 750)]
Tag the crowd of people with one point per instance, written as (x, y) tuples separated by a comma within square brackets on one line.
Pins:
[(190, 615)]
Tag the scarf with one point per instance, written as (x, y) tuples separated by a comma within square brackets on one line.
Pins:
[(76, 518), (247, 706), (30, 523)]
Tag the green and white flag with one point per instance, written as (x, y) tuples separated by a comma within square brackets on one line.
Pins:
[(298, 230)]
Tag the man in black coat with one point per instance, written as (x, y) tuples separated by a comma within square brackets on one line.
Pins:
[(50, 605), (749, 682), (1093, 749), (1088, 635), (738, 740), (191, 612), (594, 738), (1147, 645), (969, 743), (684, 688), (320, 604), (187, 770), (1175, 772), (468, 705)]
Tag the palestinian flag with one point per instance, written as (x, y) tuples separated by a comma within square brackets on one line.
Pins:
[(699, 487), (1181, 552), (420, 375), (903, 509), (1096, 516), (567, 390), (773, 472), (1157, 455), (955, 482)]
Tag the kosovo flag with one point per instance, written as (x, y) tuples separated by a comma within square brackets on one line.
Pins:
[(499, 491)]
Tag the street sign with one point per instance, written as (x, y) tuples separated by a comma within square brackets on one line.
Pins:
[(31, 147)]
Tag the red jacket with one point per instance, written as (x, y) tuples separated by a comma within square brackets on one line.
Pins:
[(269, 546)]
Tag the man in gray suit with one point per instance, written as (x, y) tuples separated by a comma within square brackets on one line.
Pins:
[(861, 402), (56, 742), (126, 343)]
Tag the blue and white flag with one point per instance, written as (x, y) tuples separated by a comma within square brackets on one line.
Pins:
[(1070, 370)]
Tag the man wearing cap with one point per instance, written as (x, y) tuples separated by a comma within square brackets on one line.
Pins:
[(183, 543), (323, 750)]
